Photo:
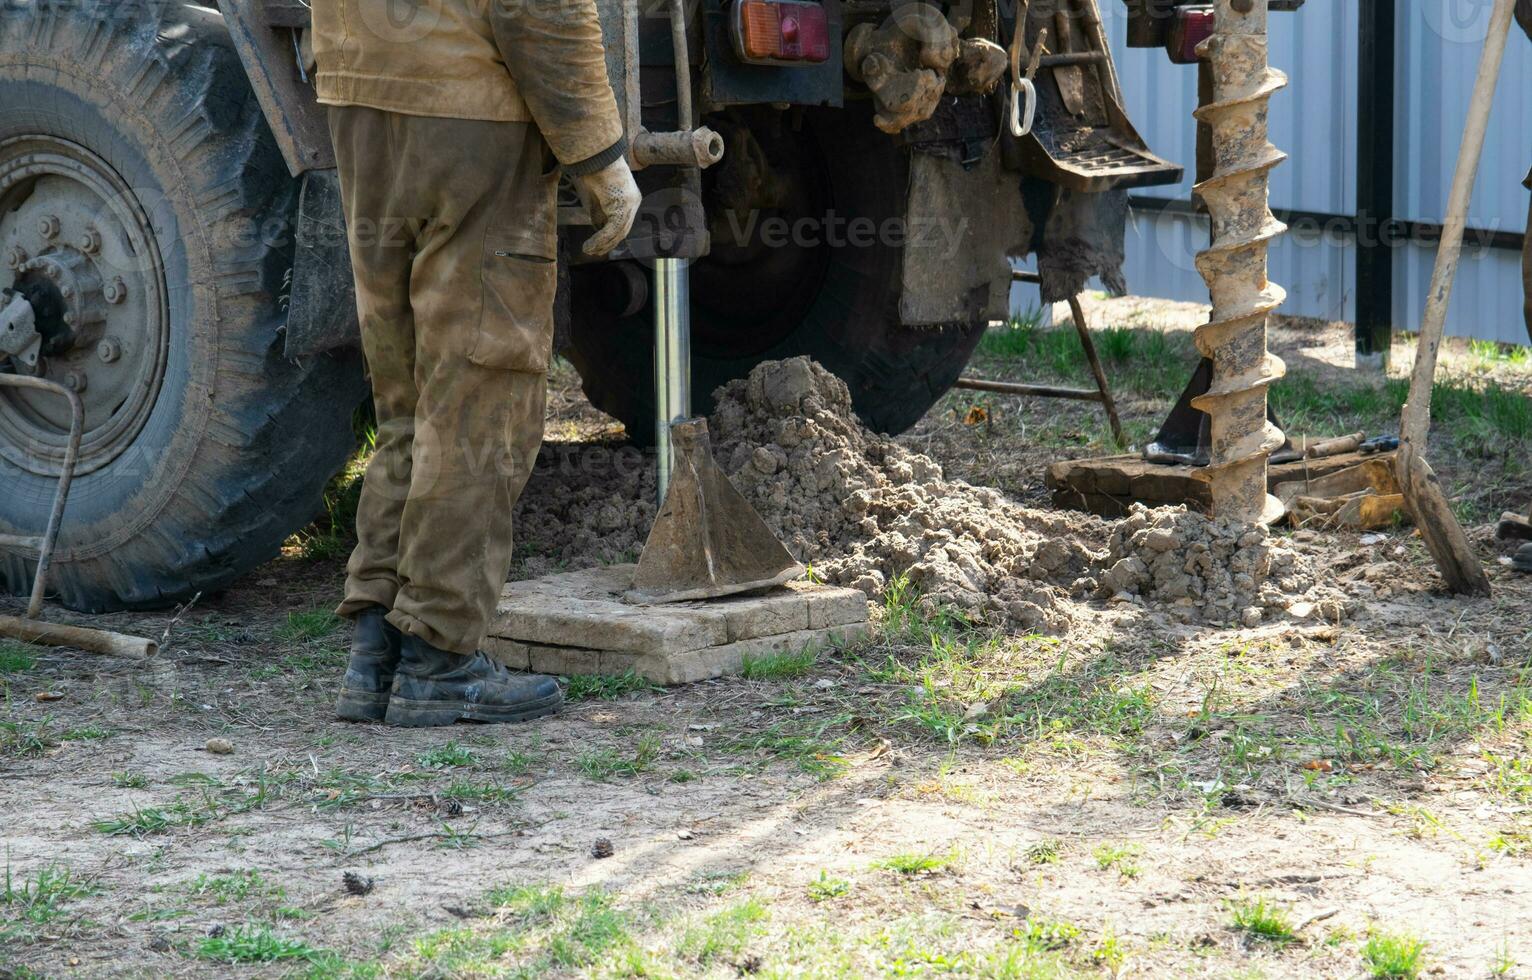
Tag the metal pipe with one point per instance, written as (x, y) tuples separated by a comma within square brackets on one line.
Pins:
[(1031, 391), (66, 478), (683, 58), (1107, 402), (672, 359), (1375, 185), (700, 147), (631, 93)]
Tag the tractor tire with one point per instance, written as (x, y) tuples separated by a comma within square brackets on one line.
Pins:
[(134, 157), (836, 302)]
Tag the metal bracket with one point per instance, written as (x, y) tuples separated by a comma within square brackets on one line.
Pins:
[(19, 339), (690, 145)]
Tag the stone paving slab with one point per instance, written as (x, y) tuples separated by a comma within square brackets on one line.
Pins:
[(578, 623)]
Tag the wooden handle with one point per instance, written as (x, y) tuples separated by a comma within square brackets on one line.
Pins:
[(89, 640), (1334, 447), (1416, 421)]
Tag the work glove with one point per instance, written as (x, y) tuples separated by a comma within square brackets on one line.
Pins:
[(611, 197)]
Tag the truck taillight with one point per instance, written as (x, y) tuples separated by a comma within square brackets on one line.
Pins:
[(1191, 27), (781, 32)]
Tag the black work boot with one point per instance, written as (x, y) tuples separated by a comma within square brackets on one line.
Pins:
[(370, 672), (435, 687)]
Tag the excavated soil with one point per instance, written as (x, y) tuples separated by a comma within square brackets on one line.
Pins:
[(866, 512)]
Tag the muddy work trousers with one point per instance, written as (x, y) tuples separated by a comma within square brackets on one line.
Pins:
[(452, 226)]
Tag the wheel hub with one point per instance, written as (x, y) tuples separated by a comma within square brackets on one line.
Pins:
[(67, 297), (80, 249)]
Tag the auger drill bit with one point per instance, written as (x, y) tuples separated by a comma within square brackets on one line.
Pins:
[(1234, 266)]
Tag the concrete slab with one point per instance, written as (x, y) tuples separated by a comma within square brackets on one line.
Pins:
[(578, 623)]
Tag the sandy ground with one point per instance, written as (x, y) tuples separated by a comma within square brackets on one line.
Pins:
[(1115, 798)]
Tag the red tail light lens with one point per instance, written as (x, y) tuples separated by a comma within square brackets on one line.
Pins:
[(1192, 26), (781, 32)]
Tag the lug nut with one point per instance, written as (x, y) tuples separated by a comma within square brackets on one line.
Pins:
[(74, 382), (52, 271), (15, 257), (49, 226), (109, 350), (115, 291), (69, 318), (90, 242)]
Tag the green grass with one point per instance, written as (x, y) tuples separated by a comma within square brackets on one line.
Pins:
[(604, 763), (1393, 956), (25, 740), (253, 943), (332, 536), (911, 863), (1485, 419), (1049, 935), (309, 625), (85, 733), (16, 657), (1264, 920), (39, 899), (1139, 359), (534, 930), (210, 801), (826, 888), (806, 743), (953, 669), (517, 763), (1504, 963), (1016, 339), (603, 687), (723, 934), (450, 755), (318, 660), (236, 887), (463, 789), (1489, 354), (1406, 712), (1123, 859), (1044, 852), (778, 666), (143, 821), (130, 780), (717, 882)]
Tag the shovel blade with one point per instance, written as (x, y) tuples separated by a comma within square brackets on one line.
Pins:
[(707, 540), (1439, 526)]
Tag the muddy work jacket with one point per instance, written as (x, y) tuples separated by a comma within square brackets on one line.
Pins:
[(538, 61)]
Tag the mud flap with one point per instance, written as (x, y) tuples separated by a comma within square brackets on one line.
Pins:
[(1082, 236), (959, 227), (321, 308)]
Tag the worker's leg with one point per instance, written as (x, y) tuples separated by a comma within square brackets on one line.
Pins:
[(382, 214), (382, 252), (482, 290)]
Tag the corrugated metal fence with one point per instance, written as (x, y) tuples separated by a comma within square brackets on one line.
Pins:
[(1314, 121)]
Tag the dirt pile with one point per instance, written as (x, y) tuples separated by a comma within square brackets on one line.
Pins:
[(1210, 570), (584, 505), (864, 511)]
